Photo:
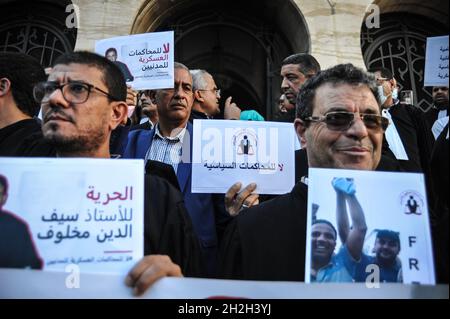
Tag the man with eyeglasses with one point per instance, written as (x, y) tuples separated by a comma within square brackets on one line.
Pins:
[(206, 96), (170, 142), (340, 122), (408, 139), (20, 131), (82, 102)]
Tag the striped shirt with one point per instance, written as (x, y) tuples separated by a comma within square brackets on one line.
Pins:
[(166, 149)]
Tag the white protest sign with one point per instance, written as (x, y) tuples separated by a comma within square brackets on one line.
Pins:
[(436, 61), (396, 244), (19, 283), (146, 60), (226, 152), (77, 212)]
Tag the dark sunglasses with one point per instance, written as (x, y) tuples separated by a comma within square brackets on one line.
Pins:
[(341, 121)]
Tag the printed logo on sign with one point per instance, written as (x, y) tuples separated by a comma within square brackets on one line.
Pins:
[(412, 203), (245, 142), (246, 149)]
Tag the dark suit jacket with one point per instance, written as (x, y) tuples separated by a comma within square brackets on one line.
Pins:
[(207, 211), (167, 227), (267, 241)]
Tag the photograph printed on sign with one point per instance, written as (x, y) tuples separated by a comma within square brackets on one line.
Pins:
[(369, 227), (146, 60), (61, 212)]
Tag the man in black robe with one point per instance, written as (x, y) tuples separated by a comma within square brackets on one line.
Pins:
[(268, 241), (439, 109), (409, 122), (18, 125), (82, 102)]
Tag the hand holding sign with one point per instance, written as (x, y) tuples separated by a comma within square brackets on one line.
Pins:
[(148, 270), (235, 201)]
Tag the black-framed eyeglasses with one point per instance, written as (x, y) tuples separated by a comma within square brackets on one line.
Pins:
[(216, 91), (341, 121), (381, 80), (75, 92)]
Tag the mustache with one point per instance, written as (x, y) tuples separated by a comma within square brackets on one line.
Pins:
[(178, 103), (55, 110), (363, 144)]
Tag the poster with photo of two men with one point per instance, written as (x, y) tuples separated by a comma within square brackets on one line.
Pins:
[(370, 227)]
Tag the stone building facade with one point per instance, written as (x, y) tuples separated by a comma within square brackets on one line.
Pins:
[(242, 43)]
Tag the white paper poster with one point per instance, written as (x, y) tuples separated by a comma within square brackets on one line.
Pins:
[(75, 212), (226, 152), (146, 60), (436, 61), (366, 226)]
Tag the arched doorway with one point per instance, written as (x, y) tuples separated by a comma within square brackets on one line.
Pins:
[(37, 28), (399, 43), (240, 43)]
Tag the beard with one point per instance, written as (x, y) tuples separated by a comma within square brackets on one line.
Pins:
[(77, 144), (441, 104)]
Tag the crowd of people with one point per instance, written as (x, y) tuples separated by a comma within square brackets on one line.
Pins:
[(344, 117)]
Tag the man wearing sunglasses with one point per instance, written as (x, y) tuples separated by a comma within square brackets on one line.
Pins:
[(82, 102), (340, 123)]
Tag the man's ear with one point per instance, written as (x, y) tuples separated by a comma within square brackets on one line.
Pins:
[(393, 83), (300, 129), (152, 96), (198, 96), (5, 86), (118, 114)]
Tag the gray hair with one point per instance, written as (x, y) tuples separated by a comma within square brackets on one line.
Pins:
[(199, 79), (178, 65)]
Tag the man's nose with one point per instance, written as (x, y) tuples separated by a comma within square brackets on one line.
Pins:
[(57, 98), (178, 91), (284, 84), (358, 128)]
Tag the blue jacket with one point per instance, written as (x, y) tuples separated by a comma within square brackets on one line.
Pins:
[(207, 211)]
